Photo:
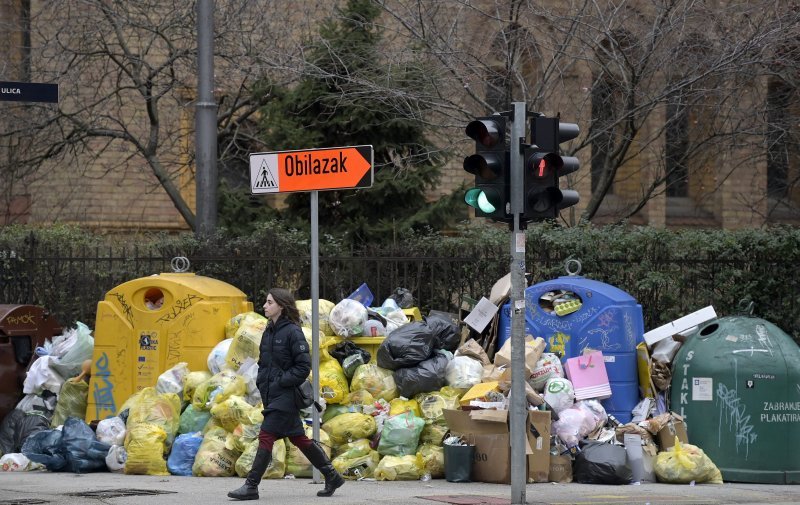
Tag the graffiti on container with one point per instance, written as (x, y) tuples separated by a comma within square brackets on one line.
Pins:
[(630, 333), (174, 342), (732, 409), (179, 307), (763, 337), (582, 315), (605, 340), (558, 343), (126, 309), (103, 388), (20, 319)]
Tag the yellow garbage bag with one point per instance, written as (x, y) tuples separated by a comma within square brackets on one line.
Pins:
[(409, 467), (333, 384), (72, 400), (402, 404), (240, 438), (378, 381), (359, 399), (432, 459), (433, 433), (213, 459), (276, 467), (434, 403), (161, 409), (235, 411), (684, 463), (296, 462), (359, 467), (324, 309), (218, 388), (354, 449), (350, 426), (234, 323), (246, 340), (191, 381), (144, 444)]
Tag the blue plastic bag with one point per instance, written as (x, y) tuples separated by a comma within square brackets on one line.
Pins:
[(184, 449), (362, 295), (84, 452), (45, 447)]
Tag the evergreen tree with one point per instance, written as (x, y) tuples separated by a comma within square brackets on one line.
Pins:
[(339, 103)]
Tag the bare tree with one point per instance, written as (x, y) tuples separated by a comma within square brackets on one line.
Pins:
[(127, 79), (661, 90)]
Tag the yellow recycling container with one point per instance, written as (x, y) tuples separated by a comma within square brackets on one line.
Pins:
[(148, 325)]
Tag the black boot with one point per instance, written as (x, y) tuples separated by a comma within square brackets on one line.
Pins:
[(249, 491), (320, 460)]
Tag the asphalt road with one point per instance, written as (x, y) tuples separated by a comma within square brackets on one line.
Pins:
[(30, 488)]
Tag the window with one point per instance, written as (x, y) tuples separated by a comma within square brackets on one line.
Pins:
[(780, 140), (677, 148)]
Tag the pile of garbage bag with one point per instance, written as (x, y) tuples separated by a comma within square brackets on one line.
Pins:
[(384, 407)]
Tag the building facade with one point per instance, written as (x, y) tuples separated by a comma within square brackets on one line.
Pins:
[(689, 112)]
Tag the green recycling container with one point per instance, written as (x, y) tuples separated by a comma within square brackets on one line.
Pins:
[(736, 382)]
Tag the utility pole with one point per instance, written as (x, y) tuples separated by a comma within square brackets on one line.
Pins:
[(205, 123)]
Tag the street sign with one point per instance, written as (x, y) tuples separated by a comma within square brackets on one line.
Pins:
[(311, 170), (28, 92)]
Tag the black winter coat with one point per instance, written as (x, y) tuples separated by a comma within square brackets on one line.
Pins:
[(284, 363)]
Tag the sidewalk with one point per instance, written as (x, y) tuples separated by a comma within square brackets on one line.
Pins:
[(62, 488)]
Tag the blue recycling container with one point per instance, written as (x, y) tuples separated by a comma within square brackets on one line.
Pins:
[(608, 320)]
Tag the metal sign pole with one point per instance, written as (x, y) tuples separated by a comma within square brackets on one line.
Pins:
[(519, 404), (315, 317)]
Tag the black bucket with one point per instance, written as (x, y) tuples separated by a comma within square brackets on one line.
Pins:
[(458, 462)]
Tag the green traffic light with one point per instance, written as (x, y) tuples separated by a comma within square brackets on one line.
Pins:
[(477, 198)]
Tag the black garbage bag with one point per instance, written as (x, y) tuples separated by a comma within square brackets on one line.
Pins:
[(601, 463), (17, 426), (425, 377), (344, 349), (445, 332), (84, 452), (406, 346), (45, 447), (403, 298)]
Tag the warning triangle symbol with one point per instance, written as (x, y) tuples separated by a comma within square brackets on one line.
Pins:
[(265, 179)]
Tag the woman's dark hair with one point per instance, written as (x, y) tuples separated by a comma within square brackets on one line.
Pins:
[(285, 299)]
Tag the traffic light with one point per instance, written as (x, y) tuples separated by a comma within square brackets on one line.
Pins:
[(490, 166), (543, 165)]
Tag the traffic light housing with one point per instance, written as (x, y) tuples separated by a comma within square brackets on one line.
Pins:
[(543, 165), (490, 166)]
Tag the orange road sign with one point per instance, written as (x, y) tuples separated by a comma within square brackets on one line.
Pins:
[(311, 170)]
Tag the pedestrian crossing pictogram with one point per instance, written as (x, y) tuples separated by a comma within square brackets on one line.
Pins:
[(265, 178)]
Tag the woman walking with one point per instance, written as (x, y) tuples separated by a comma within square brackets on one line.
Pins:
[(284, 363)]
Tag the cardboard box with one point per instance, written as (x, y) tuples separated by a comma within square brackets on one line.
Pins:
[(675, 427), (538, 430), (679, 325), (560, 469), (646, 386), (488, 430), (479, 392)]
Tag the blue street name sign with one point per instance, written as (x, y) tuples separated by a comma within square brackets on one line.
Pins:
[(28, 92)]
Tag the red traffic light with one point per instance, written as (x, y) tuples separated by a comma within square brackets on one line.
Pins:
[(486, 132), (542, 165)]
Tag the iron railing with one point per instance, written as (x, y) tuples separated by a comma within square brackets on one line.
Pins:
[(70, 282)]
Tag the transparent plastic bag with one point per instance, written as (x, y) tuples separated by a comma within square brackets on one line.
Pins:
[(80, 348), (347, 318), (172, 381)]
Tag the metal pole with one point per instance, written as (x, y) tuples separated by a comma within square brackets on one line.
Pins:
[(315, 316), (206, 122), (519, 405)]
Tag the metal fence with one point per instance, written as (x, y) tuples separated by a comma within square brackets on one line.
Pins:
[(70, 282)]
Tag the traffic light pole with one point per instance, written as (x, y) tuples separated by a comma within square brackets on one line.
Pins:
[(518, 408)]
